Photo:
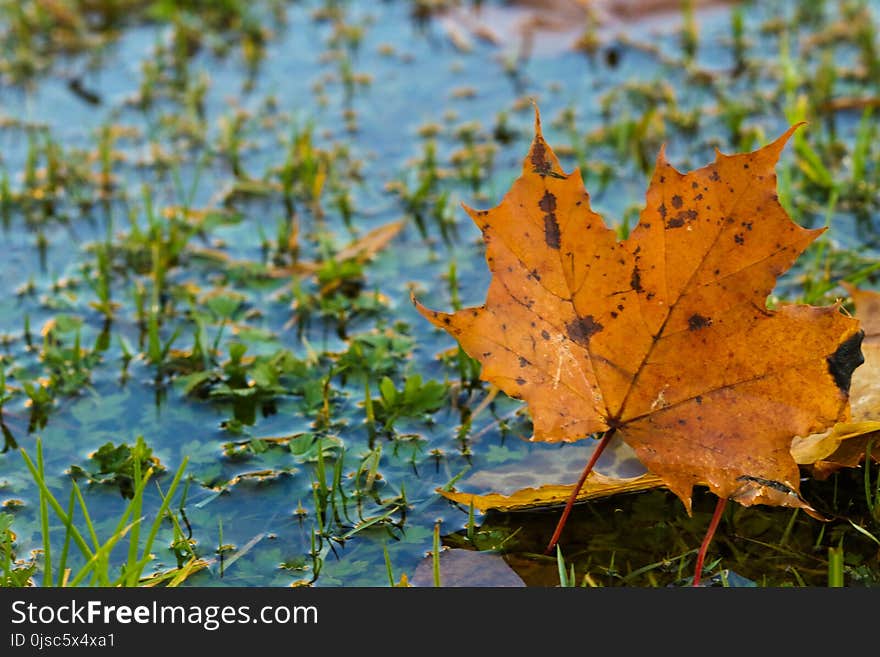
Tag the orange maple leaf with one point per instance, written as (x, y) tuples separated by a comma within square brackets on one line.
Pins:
[(664, 338)]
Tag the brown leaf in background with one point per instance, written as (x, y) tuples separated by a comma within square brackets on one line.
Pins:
[(846, 443)]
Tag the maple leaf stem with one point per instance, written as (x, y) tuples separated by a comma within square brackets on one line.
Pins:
[(606, 438), (707, 539)]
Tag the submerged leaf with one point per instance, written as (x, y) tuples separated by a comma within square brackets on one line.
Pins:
[(467, 568)]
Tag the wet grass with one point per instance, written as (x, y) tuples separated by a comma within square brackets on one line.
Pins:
[(214, 214)]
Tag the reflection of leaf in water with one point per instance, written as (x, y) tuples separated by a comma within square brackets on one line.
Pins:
[(557, 464), (546, 475)]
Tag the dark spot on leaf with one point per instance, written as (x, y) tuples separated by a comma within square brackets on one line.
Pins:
[(520, 381), (545, 335), (551, 231), (847, 358), (538, 157), (679, 219), (635, 280), (676, 201), (714, 177), (547, 202), (580, 330), (523, 362), (739, 238), (662, 210), (697, 322)]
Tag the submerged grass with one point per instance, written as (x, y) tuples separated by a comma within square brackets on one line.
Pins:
[(96, 569)]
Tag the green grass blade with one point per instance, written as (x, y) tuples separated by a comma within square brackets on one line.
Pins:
[(7, 558), (62, 562), (137, 508), (388, 568), (99, 563), (44, 521), (869, 496), (154, 529), (44, 490), (435, 555), (835, 567), (560, 565), (86, 517)]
